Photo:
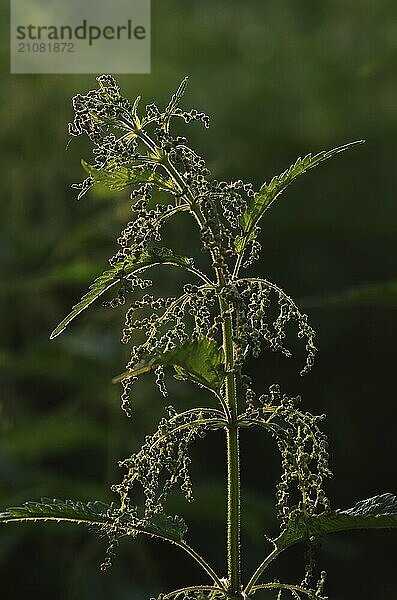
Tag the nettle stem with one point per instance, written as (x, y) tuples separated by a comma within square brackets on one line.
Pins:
[(232, 430), (250, 312), (232, 433), (233, 517), (233, 461)]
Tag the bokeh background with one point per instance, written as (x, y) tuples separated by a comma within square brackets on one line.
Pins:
[(279, 79)]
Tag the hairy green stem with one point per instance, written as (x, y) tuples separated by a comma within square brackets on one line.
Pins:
[(233, 517), (233, 453), (192, 588), (233, 450), (231, 412), (203, 564), (264, 564), (233, 462), (285, 586)]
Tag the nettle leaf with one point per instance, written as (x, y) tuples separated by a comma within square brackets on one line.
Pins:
[(269, 192), (200, 360), (96, 514), (162, 525), (379, 512), (120, 177), (174, 102), (122, 270)]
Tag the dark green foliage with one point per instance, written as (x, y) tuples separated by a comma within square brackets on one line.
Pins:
[(121, 272), (96, 514), (378, 512), (50, 509), (118, 178), (269, 192), (200, 361)]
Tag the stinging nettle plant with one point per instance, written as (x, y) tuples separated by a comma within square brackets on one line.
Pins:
[(206, 333)]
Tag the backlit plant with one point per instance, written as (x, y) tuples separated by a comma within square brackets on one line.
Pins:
[(206, 333)]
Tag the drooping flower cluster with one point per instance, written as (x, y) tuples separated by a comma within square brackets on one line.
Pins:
[(202, 593), (255, 327), (304, 453), (170, 323), (163, 461)]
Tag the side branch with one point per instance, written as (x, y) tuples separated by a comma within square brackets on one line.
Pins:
[(193, 588), (203, 564), (285, 586), (262, 567)]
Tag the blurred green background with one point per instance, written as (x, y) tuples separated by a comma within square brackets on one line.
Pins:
[(279, 79)]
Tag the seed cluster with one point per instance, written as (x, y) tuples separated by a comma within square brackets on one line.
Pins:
[(296, 592), (200, 594), (163, 461), (221, 204), (304, 453), (304, 460), (144, 229), (170, 323), (255, 327), (98, 114), (134, 520)]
